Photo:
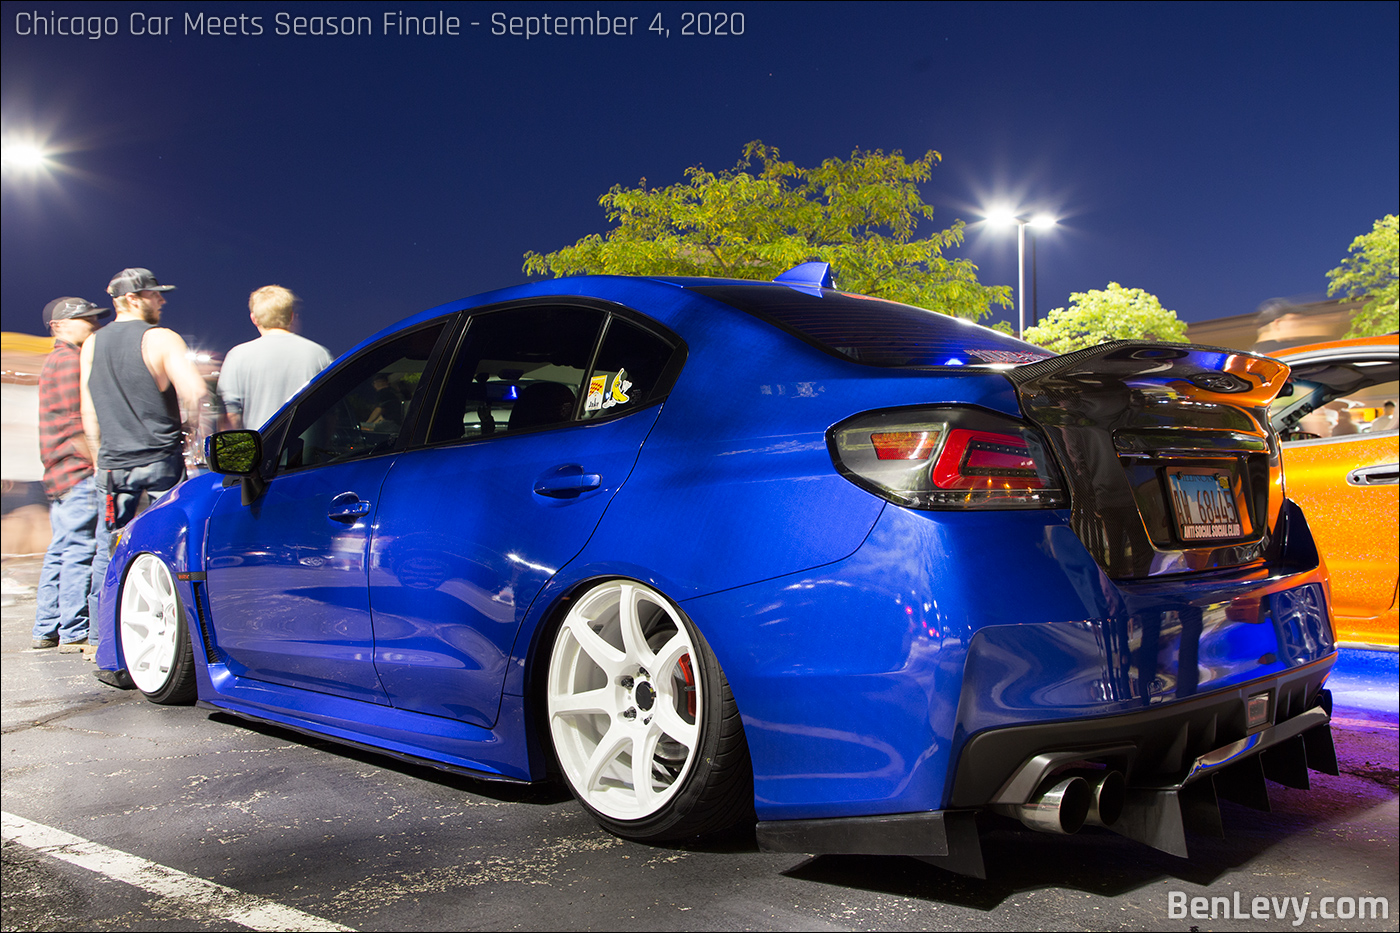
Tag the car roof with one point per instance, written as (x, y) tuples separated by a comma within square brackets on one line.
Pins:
[(654, 296), (1381, 340)]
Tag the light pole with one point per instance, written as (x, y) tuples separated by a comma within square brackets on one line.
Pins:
[(1039, 222)]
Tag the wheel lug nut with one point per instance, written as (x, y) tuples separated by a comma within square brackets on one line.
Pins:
[(629, 713), (626, 682)]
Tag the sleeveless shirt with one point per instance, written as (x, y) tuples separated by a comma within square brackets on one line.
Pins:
[(140, 424)]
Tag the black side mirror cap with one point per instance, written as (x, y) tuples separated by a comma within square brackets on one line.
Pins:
[(238, 453)]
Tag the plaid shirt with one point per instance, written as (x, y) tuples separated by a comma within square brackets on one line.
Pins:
[(61, 421)]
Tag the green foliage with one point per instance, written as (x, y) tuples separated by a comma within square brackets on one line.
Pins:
[(1372, 270), (859, 215), (1114, 313), (236, 452)]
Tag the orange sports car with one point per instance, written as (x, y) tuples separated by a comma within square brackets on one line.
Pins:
[(1341, 463)]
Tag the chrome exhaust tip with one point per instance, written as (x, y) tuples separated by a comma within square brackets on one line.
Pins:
[(1062, 809), (1108, 792)]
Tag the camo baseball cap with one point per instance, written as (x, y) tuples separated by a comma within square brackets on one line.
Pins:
[(65, 309)]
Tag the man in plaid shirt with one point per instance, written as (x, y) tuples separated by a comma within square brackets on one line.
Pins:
[(62, 614)]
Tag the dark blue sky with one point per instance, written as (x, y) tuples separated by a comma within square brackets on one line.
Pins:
[(1214, 154)]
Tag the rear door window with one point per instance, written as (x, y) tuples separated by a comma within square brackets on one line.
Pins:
[(518, 369), (634, 367)]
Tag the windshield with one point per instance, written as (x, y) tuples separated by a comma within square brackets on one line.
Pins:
[(873, 331)]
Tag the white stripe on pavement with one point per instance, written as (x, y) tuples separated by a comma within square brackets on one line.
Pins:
[(200, 898)]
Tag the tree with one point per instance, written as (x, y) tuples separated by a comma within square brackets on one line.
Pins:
[(1372, 270), (858, 214), (1114, 313)]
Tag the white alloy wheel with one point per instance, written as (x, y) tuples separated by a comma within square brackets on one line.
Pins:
[(626, 700), (152, 634)]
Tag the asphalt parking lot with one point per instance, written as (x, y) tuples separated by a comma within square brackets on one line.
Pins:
[(120, 815)]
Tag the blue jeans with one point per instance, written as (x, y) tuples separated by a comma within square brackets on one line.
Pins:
[(66, 575), (125, 490)]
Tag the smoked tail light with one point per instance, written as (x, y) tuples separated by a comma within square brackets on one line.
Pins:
[(947, 458)]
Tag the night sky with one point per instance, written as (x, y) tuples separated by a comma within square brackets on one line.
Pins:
[(1216, 155)]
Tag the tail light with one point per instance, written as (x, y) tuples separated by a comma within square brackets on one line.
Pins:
[(947, 458)]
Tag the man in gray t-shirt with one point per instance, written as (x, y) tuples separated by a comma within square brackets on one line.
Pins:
[(259, 376)]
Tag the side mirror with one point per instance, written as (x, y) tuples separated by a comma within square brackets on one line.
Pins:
[(238, 453)]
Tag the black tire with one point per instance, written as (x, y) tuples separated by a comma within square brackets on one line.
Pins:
[(694, 791), (154, 634)]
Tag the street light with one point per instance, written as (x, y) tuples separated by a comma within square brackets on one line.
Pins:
[(24, 157), (1002, 218)]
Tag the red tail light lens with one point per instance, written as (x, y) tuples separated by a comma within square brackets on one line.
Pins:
[(971, 458), (947, 458)]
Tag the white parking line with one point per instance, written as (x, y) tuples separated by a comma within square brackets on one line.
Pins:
[(203, 900)]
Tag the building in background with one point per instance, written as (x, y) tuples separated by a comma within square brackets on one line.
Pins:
[(1277, 324), (24, 527)]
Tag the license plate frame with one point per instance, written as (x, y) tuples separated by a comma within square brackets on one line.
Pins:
[(1205, 504)]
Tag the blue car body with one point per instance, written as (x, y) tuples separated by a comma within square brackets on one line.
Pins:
[(897, 668)]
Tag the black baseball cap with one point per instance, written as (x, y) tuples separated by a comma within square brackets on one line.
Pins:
[(65, 309), (135, 280)]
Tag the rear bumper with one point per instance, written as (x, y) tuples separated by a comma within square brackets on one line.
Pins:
[(1164, 747), (863, 682), (1179, 759)]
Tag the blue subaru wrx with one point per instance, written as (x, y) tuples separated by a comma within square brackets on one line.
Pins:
[(720, 551)]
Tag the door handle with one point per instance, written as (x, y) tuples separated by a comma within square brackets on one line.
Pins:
[(347, 507), (1385, 474), (567, 483)]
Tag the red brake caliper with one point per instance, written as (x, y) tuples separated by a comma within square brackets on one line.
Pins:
[(689, 676)]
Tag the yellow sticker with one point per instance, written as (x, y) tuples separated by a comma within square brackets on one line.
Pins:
[(596, 387), (620, 386)]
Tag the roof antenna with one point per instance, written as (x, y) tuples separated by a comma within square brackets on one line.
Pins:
[(809, 274)]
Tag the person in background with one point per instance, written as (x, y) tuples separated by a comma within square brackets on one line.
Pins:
[(61, 617), (1345, 425), (259, 376), (136, 378), (1386, 422)]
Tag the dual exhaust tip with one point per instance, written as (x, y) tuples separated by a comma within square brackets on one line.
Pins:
[(1076, 798)]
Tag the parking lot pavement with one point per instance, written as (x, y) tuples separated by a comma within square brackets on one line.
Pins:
[(121, 815)]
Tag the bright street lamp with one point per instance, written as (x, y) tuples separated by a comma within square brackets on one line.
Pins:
[(1002, 218), (24, 157)]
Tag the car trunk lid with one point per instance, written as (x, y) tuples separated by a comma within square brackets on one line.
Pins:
[(1167, 449)]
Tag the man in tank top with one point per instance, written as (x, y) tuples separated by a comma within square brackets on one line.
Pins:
[(136, 378)]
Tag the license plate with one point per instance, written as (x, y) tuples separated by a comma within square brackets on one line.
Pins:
[(1204, 502)]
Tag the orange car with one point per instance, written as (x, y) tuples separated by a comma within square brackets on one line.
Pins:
[(1341, 463)]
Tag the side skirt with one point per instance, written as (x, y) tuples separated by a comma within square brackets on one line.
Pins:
[(499, 754)]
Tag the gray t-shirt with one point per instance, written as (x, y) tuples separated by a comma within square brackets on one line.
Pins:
[(259, 376)]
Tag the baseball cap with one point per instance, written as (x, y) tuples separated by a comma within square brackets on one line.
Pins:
[(65, 309), (135, 280)]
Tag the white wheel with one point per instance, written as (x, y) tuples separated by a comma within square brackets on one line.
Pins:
[(154, 639), (642, 721)]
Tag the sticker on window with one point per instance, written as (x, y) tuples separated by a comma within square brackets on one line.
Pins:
[(597, 386), (618, 394)]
